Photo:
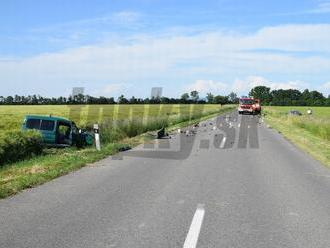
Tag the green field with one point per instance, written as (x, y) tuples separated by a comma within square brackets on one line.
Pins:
[(309, 132), (11, 117), (53, 163), (116, 122)]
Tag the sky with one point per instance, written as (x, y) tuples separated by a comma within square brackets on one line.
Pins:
[(114, 47)]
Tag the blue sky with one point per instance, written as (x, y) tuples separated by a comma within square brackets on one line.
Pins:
[(115, 47)]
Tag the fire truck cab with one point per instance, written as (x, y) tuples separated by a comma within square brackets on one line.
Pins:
[(249, 105)]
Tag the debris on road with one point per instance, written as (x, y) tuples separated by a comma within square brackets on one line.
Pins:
[(161, 133), (190, 132), (124, 148)]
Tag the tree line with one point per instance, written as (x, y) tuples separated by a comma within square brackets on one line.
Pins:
[(280, 97), (186, 98), (289, 97)]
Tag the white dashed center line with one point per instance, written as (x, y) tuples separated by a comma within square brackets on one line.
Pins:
[(223, 142), (195, 227)]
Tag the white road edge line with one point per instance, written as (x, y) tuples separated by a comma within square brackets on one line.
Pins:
[(223, 142), (195, 228)]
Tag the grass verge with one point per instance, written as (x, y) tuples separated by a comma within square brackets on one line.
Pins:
[(38, 170), (310, 133)]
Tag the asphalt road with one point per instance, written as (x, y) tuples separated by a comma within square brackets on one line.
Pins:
[(233, 183)]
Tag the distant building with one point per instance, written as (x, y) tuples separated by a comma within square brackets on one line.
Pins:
[(77, 91), (156, 92)]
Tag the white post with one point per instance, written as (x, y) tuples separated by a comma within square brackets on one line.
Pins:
[(97, 137)]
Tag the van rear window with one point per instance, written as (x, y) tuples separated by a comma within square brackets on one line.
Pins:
[(47, 125), (33, 123)]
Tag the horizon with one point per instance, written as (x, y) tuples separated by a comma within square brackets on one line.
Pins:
[(200, 97), (47, 48)]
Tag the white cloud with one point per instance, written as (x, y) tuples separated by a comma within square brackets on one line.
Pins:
[(122, 17), (242, 86), (113, 89), (146, 58), (125, 17), (299, 85), (323, 7), (206, 86), (325, 88), (307, 37)]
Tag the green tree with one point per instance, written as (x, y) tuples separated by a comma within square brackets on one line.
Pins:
[(185, 97), (327, 101), (194, 95), (133, 100), (9, 100), (262, 93), (210, 97), (232, 97), (221, 99), (165, 100), (122, 100), (317, 98)]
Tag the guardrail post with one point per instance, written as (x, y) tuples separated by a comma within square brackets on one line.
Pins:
[(97, 137)]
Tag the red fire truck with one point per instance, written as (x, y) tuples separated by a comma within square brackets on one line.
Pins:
[(249, 105)]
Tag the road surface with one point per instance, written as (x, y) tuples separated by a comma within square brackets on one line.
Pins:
[(233, 183)]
